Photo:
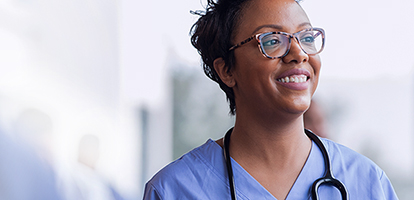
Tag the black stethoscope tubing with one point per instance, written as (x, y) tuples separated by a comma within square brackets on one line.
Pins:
[(328, 177)]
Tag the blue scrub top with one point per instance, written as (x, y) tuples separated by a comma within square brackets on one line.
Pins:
[(202, 174)]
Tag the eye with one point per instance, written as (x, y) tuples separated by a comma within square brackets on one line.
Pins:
[(307, 39), (272, 42)]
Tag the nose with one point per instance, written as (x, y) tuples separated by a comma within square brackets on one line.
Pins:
[(295, 54)]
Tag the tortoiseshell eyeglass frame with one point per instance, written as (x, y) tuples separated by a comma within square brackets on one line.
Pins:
[(259, 36)]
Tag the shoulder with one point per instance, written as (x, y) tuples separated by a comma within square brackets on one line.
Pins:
[(349, 160), (189, 172), (196, 158), (337, 150), (356, 171)]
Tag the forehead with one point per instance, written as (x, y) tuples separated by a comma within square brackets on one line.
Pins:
[(286, 14)]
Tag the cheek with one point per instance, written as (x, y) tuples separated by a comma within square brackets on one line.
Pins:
[(315, 63), (248, 61)]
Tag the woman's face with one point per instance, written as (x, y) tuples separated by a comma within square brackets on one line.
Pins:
[(258, 86)]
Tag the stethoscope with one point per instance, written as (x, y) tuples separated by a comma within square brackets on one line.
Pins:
[(328, 178)]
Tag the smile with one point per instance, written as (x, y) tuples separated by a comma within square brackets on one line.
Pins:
[(293, 79)]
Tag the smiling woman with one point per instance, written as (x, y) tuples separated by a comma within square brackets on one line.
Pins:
[(269, 79)]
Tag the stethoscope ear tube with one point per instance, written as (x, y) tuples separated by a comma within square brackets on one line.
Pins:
[(329, 181), (328, 178), (228, 163)]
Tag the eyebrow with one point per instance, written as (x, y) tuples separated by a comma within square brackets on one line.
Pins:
[(278, 26)]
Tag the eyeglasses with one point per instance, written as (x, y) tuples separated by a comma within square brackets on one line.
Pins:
[(277, 44)]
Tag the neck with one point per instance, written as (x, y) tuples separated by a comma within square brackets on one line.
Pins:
[(273, 150), (276, 144)]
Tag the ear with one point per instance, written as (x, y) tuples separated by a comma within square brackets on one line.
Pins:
[(225, 75)]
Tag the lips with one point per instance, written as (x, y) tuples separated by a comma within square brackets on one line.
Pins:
[(295, 79)]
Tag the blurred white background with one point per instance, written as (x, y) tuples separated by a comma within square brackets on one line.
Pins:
[(105, 68)]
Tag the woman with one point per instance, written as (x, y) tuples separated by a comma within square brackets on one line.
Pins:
[(269, 88)]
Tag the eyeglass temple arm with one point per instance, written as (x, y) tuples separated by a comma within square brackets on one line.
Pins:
[(243, 42)]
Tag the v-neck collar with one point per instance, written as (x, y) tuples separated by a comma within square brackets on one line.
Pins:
[(249, 188)]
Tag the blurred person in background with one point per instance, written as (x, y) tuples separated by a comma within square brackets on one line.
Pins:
[(35, 128), (23, 175), (76, 181), (85, 182), (315, 119), (264, 56)]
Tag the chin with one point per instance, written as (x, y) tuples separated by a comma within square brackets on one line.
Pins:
[(301, 105)]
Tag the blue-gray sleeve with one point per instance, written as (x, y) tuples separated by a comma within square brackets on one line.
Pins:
[(389, 192), (151, 193)]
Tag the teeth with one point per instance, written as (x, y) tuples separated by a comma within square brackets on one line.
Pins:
[(293, 79)]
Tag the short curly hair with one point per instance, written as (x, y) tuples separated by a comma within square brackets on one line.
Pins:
[(211, 36)]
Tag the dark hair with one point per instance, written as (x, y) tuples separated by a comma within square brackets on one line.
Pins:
[(211, 36)]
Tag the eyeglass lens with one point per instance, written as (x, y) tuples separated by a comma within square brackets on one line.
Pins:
[(276, 45)]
